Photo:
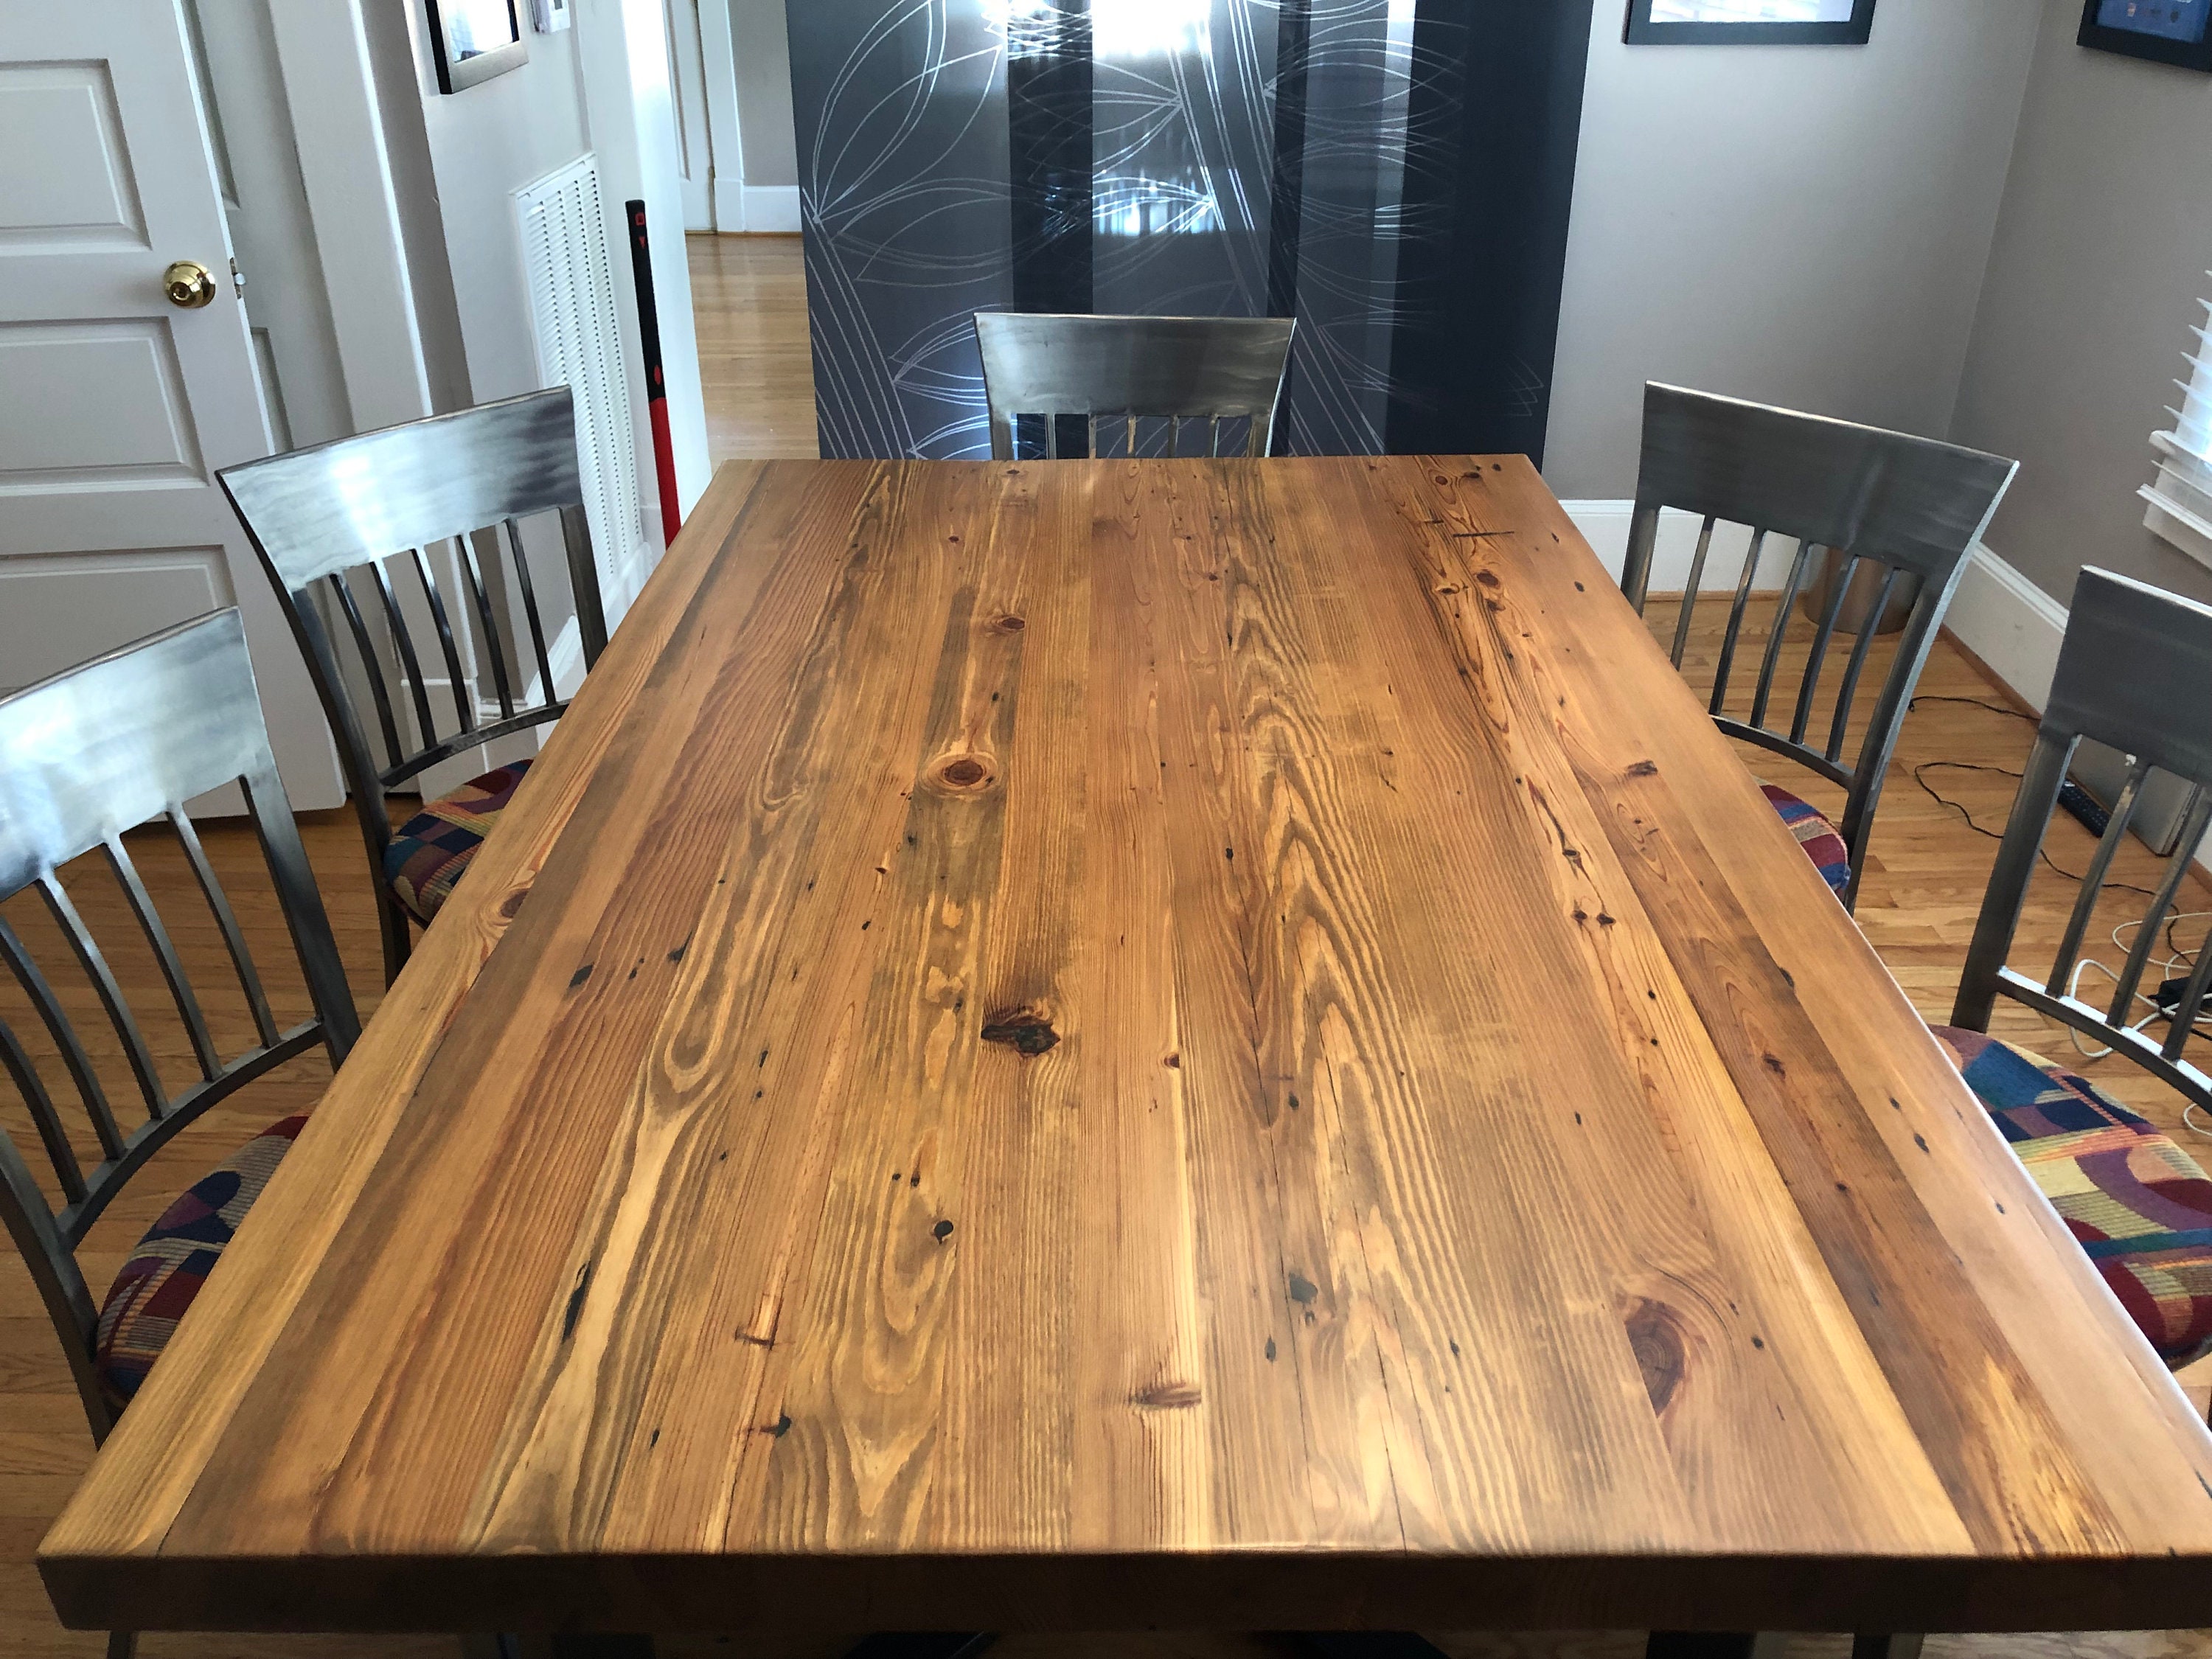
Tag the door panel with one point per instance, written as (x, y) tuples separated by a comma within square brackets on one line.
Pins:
[(120, 407), (68, 181), (63, 609), (94, 405)]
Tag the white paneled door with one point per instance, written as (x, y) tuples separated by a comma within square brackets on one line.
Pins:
[(116, 406)]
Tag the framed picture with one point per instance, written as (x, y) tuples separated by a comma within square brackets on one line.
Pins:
[(474, 41), (2164, 31), (1751, 22)]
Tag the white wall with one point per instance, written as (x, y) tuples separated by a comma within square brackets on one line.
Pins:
[(747, 64), (1801, 224), (601, 86), (762, 50), (2100, 253)]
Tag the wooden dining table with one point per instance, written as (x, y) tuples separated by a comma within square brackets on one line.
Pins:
[(1128, 1044)]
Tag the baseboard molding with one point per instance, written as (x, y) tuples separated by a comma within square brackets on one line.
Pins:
[(762, 210), (729, 198), (2009, 625)]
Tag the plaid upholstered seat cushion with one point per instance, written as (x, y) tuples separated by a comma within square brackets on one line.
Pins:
[(174, 1258), (1815, 834), (432, 849), (2140, 1205)]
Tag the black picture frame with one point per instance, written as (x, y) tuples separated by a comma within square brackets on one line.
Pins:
[(1640, 31), (2156, 48), (460, 69)]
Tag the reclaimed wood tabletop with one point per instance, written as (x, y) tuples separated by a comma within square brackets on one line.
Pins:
[(1104, 1044)]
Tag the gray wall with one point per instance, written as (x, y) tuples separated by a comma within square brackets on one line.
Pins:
[(1802, 225), (2100, 252), (762, 51)]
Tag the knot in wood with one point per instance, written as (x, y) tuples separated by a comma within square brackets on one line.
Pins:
[(1007, 623), (1654, 1336), (1025, 1031), (1167, 1395), (961, 773)]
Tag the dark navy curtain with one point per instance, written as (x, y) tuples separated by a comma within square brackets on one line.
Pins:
[(1396, 173)]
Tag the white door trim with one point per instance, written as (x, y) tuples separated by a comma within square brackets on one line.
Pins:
[(339, 130), (721, 66)]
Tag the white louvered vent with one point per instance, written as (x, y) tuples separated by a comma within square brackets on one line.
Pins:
[(573, 303)]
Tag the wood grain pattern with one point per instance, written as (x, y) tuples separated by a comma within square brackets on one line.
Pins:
[(1101, 1045)]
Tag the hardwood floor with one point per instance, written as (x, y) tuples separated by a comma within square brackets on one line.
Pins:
[(749, 305), (1923, 885)]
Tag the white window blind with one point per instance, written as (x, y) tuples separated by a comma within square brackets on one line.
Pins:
[(2180, 497)]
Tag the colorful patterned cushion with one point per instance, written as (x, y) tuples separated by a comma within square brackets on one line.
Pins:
[(2138, 1204), (173, 1261), (1815, 834), (432, 849)]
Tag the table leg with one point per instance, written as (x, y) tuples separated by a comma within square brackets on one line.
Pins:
[(1892, 1646)]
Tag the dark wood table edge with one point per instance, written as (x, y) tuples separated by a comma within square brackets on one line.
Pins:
[(1240, 1590)]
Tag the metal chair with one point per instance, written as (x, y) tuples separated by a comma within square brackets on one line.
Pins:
[(1910, 509), (385, 499), (1128, 368), (2134, 672), (85, 756)]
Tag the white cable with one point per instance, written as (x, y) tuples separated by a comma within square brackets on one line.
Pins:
[(2175, 964)]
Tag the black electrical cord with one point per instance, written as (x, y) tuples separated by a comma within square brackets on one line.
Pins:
[(1968, 818), (1973, 702)]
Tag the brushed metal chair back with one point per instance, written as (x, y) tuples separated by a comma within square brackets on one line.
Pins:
[(356, 518), (2134, 672), (1909, 508), (1123, 369), (84, 756)]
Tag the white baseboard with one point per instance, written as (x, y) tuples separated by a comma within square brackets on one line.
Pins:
[(2010, 624), (729, 196), (1605, 525), (756, 209)]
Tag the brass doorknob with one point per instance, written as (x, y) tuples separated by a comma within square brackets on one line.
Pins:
[(188, 284)]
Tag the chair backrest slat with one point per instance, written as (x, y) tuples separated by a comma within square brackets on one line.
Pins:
[(226, 921), (387, 722), (1208, 368), (1736, 611), (464, 714), (2196, 819), (530, 608), (111, 996), (90, 1092), (53, 1135), (1690, 593), (84, 757), (411, 666), (1792, 585), (465, 550), (1847, 693), (165, 955), (1822, 632), (401, 493), (2093, 879), (1854, 499), (2135, 673)]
